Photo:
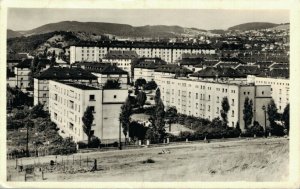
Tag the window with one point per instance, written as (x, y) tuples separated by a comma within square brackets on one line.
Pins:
[(208, 108), (218, 99), (71, 125), (196, 95), (115, 96), (232, 113), (208, 97), (92, 97), (218, 110), (93, 108), (44, 95), (197, 105), (262, 92), (232, 102)]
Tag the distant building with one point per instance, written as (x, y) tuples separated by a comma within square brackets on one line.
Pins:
[(169, 52), (171, 70), (68, 102), (122, 59), (106, 71), (21, 76), (204, 98), (144, 68), (41, 81)]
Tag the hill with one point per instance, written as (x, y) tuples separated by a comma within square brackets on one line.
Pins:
[(253, 26), (281, 27), (12, 34), (100, 28)]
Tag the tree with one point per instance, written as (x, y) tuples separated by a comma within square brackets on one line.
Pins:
[(124, 117), (157, 96), (158, 121), (112, 84), (140, 82), (137, 131), (141, 99), (248, 112), (151, 85), (225, 109), (286, 117), (272, 113), (171, 115), (53, 60), (38, 111), (87, 120)]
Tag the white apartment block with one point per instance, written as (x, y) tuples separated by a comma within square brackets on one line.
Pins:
[(280, 90), (68, 102), (204, 98), (145, 73), (169, 52)]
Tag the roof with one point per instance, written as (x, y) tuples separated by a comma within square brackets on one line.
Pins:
[(58, 73), (249, 70), (191, 61), (172, 68), (218, 72), (147, 65), (231, 59), (79, 85), (280, 66), (121, 55), (25, 63), (203, 56), (264, 64), (207, 64), (275, 73), (103, 68), (143, 44), (228, 64)]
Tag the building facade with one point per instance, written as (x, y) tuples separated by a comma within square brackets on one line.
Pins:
[(169, 52), (280, 90), (68, 101), (204, 98), (41, 81)]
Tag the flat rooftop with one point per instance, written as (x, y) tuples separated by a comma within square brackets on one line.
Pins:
[(79, 85)]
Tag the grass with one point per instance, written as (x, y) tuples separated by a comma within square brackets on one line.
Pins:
[(245, 160)]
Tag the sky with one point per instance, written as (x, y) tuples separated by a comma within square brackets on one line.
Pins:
[(28, 18)]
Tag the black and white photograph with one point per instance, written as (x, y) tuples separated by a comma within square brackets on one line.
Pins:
[(147, 95)]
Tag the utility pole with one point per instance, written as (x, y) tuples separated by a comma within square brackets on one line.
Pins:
[(27, 141), (120, 143), (265, 111)]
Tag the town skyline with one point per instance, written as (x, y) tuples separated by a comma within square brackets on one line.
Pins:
[(193, 18)]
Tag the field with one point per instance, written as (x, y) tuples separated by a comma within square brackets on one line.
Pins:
[(240, 160)]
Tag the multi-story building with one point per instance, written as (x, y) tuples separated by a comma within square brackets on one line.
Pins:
[(106, 71), (204, 98), (21, 77), (280, 89), (122, 59), (144, 68), (170, 52), (68, 101), (41, 81)]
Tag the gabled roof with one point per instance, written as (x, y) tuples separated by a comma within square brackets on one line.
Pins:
[(275, 73), (280, 66), (249, 70), (190, 61), (61, 73), (147, 65), (172, 68), (103, 68), (25, 63), (264, 64), (212, 72), (231, 59), (227, 64), (207, 64)]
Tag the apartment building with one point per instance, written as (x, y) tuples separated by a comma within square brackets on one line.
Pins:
[(68, 102), (105, 71), (122, 59), (204, 98), (21, 77), (280, 90), (41, 81), (169, 52)]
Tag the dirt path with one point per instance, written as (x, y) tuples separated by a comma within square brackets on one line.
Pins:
[(251, 160)]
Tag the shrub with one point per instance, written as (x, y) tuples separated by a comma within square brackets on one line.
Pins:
[(186, 134), (95, 142), (277, 130), (149, 160), (82, 144), (256, 129)]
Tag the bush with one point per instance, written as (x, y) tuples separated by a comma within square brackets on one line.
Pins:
[(82, 144), (277, 130), (14, 124), (95, 142), (256, 129), (186, 135)]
